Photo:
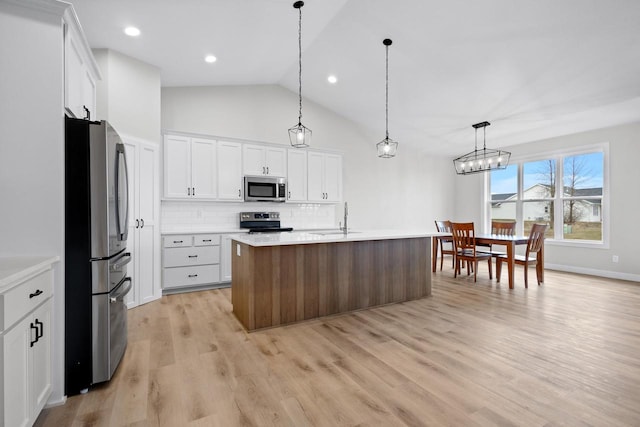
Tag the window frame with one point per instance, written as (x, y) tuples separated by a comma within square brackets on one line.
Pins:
[(559, 198)]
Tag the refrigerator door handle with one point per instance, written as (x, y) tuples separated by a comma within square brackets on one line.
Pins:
[(123, 260), (123, 290), (122, 212)]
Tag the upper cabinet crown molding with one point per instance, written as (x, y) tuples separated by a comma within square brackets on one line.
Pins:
[(53, 7), (73, 24)]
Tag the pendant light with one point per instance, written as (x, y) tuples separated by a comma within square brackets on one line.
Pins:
[(299, 135), (387, 148), (481, 160)]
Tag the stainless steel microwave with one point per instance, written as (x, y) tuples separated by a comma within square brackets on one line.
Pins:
[(265, 189)]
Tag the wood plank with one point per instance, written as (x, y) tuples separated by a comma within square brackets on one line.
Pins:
[(564, 353)]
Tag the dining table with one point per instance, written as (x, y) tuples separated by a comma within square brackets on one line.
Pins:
[(510, 242)]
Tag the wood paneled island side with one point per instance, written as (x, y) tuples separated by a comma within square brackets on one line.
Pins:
[(283, 278)]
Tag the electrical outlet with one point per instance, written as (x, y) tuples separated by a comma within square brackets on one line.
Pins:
[(614, 258)]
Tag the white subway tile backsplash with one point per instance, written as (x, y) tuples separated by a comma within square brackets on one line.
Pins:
[(177, 215)]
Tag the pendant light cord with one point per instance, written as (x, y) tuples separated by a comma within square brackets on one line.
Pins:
[(300, 65), (386, 112)]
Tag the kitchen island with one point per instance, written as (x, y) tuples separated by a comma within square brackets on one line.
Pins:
[(282, 278)]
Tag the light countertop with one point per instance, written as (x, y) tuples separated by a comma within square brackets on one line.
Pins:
[(201, 230), (15, 269), (308, 237)]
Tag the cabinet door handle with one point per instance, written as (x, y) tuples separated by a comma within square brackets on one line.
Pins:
[(35, 294), (39, 329), (193, 275), (137, 223), (178, 241), (36, 340), (263, 170), (141, 223), (192, 256), (289, 196), (239, 194), (206, 240), (193, 191), (267, 170), (188, 191)]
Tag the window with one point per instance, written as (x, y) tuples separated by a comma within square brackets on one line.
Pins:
[(563, 190)]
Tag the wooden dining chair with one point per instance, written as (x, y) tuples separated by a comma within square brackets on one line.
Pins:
[(501, 228), (534, 245), (445, 243), (464, 241)]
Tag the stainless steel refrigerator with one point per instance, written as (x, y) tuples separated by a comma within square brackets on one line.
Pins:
[(96, 257)]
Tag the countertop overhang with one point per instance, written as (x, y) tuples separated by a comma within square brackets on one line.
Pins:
[(305, 238)]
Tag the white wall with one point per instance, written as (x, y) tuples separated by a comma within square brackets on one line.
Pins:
[(32, 150), (408, 191), (624, 174), (128, 96)]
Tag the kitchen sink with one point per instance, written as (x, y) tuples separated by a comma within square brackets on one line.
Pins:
[(333, 233)]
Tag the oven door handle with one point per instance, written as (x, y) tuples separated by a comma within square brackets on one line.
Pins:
[(122, 261), (123, 290)]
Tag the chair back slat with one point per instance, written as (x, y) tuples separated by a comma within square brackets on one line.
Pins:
[(503, 228), (464, 237), (443, 226), (536, 238)]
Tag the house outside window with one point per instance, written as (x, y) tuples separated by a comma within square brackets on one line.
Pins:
[(564, 190)]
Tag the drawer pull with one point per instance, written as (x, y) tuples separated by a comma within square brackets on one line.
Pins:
[(178, 241), (206, 240), (193, 275), (192, 256), (35, 294)]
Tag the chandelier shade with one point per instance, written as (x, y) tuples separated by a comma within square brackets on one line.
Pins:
[(299, 134), (483, 160), (387, 148)]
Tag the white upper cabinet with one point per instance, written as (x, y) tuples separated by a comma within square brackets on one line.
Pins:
[(189, 167), (209, 169), (333, 177), (204, 179), (297, 175), (324, 172), (177, 166), (230, 170), (80, 72), (264, 160)]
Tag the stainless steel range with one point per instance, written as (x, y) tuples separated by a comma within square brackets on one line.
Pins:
[(262, 222)]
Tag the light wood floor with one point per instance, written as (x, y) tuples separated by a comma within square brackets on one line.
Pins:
[(565, 353)]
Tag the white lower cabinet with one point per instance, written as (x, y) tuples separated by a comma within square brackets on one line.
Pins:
[(190, 261), (26, 349)]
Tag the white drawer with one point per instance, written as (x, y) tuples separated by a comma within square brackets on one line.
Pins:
[(206, 240), (23, 298), (177, 241), (195, 255), (191, 276)]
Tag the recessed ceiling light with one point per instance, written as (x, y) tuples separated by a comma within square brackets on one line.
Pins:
[(210, 59), (332, 79), (132, 31)]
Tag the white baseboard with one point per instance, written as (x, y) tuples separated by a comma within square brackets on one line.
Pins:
[(593, 272), (60, 401)]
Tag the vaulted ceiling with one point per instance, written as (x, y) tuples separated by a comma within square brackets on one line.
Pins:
[(533, 68)]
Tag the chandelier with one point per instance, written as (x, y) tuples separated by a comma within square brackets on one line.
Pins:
[(482, 160)]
